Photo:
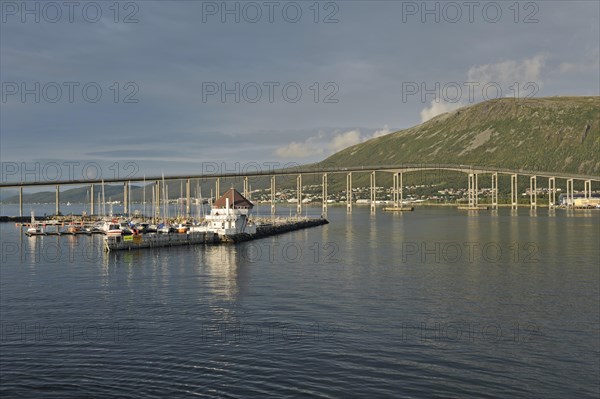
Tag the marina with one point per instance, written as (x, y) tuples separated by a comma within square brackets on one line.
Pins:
[(229, 221)]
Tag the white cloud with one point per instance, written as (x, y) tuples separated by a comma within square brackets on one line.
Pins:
[(343, 140), (328, 143), (438, 108), (379, 133), (590, 64), (508, 72), (299, 150)]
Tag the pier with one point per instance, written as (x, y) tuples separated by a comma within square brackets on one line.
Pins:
[(156, 240)]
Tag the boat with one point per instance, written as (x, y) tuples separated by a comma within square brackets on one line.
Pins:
[(34, 228), (74, 229), (112, 228), (164, 228)]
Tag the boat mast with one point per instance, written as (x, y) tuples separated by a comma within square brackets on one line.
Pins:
[(103, 201), (164, 199), (144, 200)]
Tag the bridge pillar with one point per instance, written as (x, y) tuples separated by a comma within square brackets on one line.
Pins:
[(21, 201), (570, 194), (299, 195), (551, 192), (373, 192), (349, 192), (476, 190), (92, 208), (57, 200), (272, 195), (125, 198), (246, 188), (494, 190), (188, 198), (217, 188), (401, 185), (587, 189), (514, 195), (472, 191), (324, 187), (533, 192), (395, 192)]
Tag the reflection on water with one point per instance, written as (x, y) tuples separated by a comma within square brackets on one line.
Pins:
[(435, 302)]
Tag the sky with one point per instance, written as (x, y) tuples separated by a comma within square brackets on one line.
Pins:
[(105, 89)]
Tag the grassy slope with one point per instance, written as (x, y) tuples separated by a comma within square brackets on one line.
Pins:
[(559, 134)]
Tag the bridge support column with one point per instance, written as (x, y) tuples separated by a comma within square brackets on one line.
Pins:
[(20, 201), (272, 195), (472, 191), (570, 194), (373, 192), (188, 198), (349, 192), (494, 190), (395, 192), (125, 198), (401, 186), (57, 211), (299, 195), (324, 187), (533, 192), (217, 188), (246, 188), (551, 192), (92, 208), (587, 189), (514, 195)]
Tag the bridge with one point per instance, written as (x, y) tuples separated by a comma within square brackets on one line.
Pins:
[(397, 172)]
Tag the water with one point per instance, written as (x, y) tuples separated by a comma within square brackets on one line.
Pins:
[(433, 303)]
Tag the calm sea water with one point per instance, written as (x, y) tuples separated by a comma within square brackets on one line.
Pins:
[(433, 303)]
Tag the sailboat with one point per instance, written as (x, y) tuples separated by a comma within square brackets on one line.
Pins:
[(34, 229), (164, 227)]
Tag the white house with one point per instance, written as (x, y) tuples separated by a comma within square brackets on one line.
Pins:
[(229, 214)]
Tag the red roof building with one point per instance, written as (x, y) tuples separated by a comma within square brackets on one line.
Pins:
[(236, 200)]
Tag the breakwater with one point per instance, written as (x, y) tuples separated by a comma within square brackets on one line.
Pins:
[(154, 240), (267, 230)]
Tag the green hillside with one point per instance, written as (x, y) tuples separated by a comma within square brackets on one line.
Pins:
[(560, 134)]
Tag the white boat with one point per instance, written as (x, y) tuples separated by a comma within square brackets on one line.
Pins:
[(112, 228), (34, 228)]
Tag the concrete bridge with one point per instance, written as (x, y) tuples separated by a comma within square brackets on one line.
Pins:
[(397, 172)]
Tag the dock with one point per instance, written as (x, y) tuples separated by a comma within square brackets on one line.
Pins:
[(266, 230), (157, 240)]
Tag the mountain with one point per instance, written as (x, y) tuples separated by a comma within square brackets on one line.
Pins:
[(560, 134)]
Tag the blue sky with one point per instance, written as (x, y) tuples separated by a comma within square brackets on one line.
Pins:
[(171, 61)]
